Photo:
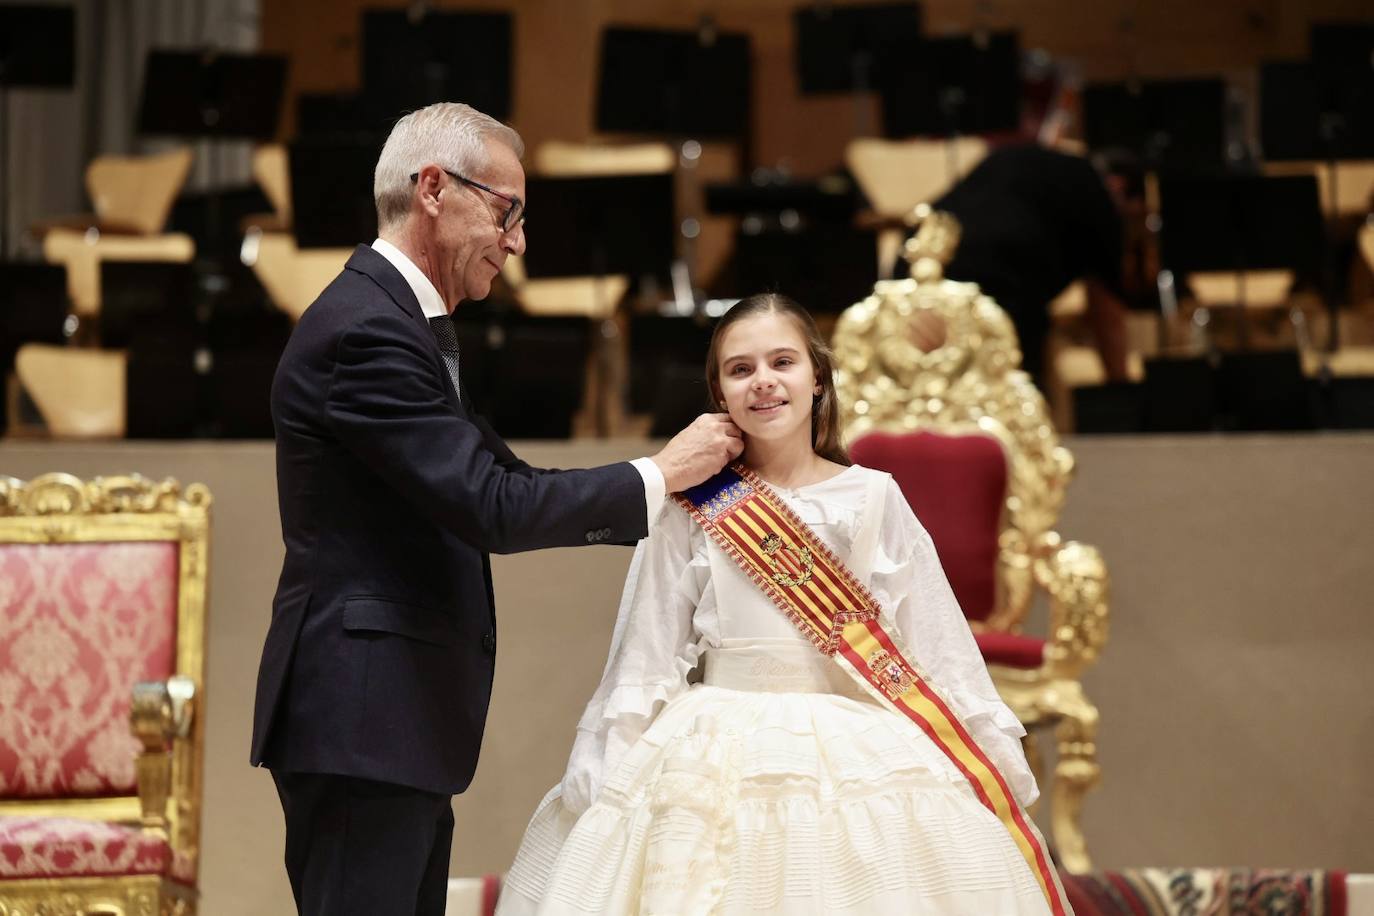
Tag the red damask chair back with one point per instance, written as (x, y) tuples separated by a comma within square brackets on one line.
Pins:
[(102, 603)]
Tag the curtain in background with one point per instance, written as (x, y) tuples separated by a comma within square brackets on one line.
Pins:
[(53, 134)]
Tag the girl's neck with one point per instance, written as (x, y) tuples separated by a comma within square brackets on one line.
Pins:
[(787, 463)]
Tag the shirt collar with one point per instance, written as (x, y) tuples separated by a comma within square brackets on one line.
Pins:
[(431, 303)]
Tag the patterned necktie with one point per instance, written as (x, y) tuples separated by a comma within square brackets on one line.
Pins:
[(447, 336)]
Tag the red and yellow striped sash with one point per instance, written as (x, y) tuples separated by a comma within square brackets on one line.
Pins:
[(832, 608)]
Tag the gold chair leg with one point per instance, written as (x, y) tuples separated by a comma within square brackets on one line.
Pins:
[(1076, 772)]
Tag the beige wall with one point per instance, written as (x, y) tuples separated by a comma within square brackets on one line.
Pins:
[(1237, 726)]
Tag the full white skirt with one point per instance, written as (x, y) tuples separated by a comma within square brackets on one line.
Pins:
[(799, 803)]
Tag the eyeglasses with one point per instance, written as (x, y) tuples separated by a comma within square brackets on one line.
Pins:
[(515, 207)]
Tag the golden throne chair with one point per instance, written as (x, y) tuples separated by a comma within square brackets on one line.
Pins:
[(102, 726), (968, 438)]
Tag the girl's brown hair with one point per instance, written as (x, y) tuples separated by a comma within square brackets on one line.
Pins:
[(825, 408)]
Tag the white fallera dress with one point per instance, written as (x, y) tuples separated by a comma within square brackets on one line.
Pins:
[(776, 784)]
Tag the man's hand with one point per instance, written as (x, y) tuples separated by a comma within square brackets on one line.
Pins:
[(699, 451)]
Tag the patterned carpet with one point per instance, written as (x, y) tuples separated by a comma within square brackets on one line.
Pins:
[(1207, 892), (1133, 892)]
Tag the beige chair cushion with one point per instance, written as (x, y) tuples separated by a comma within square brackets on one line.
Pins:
[(1261, 288), (82, 252), (592, 297), (137, 192), (1354, 184), (1347, 362), (293, 277), (557, 158), (79, 392), (896, 175)]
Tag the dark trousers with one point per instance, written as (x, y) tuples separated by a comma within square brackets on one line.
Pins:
[(355, 846)]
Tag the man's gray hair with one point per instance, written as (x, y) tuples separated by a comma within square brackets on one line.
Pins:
[(450, 134)]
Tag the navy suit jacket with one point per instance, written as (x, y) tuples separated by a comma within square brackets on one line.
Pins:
[(379, 659)]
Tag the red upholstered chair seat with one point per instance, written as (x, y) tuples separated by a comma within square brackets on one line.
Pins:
[(956, 485), (80, 623), (52, 847), (1011, 649)]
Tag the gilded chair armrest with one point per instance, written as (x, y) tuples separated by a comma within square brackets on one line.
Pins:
[(1079, 588), (160, 715)]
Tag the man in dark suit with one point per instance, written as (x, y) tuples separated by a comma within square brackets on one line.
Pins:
[(1033, 220), (377, 669)]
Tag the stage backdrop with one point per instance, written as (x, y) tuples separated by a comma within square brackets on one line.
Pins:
[(1236, 723)]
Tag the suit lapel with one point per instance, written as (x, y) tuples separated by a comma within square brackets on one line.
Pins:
[(366, 261)]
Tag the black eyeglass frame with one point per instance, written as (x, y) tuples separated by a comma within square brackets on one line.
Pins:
[(515, 210)]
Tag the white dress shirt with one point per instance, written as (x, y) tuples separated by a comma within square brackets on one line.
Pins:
[(432, 304)]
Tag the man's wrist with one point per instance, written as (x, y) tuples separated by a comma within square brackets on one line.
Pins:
[(655, 486)]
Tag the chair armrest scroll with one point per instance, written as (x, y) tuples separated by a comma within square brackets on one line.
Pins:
[(1076, 579), (161, 713)]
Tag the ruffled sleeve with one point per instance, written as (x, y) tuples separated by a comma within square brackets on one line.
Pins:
[(910, 585), (653, 648)]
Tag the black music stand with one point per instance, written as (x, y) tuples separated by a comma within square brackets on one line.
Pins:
[(1290, 113), (848, 48), (1172, 125), (1261, 391), (1179, 394), (599, 225), (674, 84), (1343, 57), (331, 189), (212, 95), (37, 51), (1300, 121), (683, 86), (826, 265), (415, 57), (1112, 408), (33, 309), (150, 309), (1242, 223), (337, 114), (1322, 109), (954, 85), (136, 294)]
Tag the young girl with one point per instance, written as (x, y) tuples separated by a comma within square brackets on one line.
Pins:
[(746, 751)]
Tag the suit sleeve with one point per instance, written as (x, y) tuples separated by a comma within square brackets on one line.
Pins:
[(506, 458), (386, 404)]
